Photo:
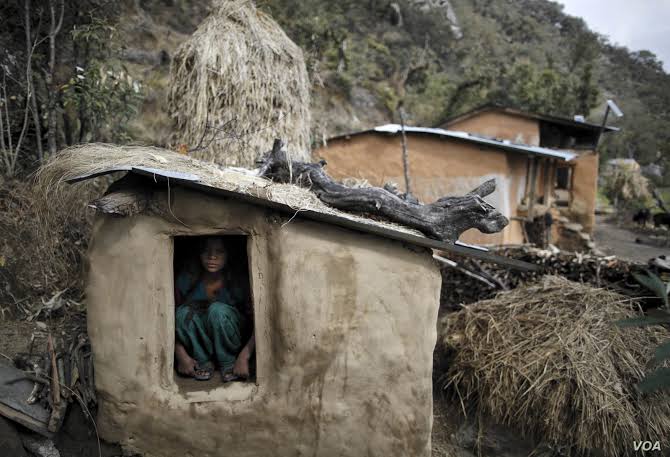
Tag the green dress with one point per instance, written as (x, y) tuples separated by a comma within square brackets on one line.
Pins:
[(211, 330)]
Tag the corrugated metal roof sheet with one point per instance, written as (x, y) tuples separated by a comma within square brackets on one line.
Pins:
[(360, 224), (503, 144)]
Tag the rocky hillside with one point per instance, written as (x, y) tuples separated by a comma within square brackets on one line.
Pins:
[(437, 57)]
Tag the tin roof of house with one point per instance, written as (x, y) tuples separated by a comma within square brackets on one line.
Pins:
[(505, 145), (480, 139), (558, 120), (84, 162)]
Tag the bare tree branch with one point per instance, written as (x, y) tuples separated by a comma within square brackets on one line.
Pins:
[(52, 90), (31, 84), (3, 146), (4, 96)]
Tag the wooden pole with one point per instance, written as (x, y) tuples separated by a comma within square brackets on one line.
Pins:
[(405, 158), (548, 181), (532, 185)]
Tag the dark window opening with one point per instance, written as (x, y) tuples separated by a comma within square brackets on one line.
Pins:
[(214, 318), (563, 178), (563, 185), (567, 137)]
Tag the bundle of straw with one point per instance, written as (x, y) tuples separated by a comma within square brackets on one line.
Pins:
[(237, 84), (549, 360)]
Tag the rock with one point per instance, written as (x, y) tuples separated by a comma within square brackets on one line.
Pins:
[(143, 57), (653, 170), (573, 227), (10, 441), (660, 262), (395, 16), (39, 446), (447, 10)]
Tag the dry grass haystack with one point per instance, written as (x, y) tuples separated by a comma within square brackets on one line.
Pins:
[(548, 359), (237, 84), (42, 244), (624, 183)]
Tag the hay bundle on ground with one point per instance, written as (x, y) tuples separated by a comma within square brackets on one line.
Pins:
[(238, 83), (548, 359)]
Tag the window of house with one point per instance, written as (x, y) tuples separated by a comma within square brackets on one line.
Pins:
[(214, 319)]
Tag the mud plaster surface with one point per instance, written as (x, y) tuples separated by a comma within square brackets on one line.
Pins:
[(502, 125), (345, 327)]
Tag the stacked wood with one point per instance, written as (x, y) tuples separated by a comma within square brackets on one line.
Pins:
[(476, 280)]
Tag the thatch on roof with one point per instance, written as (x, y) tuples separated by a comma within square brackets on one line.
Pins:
[(548, 359), (237, 84), (92, 158)]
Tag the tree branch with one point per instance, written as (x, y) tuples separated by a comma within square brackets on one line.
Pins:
[(446, 219), (52, 90), (31, 84)]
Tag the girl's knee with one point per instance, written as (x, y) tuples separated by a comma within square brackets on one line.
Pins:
[(222, 313)]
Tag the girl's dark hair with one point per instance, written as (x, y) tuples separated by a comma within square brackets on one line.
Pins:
[(202, 242), (233, 245)]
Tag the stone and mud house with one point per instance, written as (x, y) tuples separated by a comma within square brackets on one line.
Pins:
[(345, 314), (540, 163)]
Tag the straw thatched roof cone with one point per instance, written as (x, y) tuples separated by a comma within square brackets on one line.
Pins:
[(548, 359), (238, 83)]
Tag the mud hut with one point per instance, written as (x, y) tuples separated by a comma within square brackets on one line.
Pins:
[(345, 314), (236, 84)]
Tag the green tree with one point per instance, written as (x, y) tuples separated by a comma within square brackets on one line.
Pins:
[(100, 98)]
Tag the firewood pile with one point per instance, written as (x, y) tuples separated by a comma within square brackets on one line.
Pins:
[(472, 280)]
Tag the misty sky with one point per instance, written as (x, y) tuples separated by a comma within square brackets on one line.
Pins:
[(644, 24)]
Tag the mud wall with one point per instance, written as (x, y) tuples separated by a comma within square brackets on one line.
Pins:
[(345, 331), (507, 126), (584, 190), (438, 167)]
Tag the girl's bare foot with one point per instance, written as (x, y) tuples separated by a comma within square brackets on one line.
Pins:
[(185, 363), (241, 368)]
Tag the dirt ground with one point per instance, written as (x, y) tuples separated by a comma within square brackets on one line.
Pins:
[(77, 437), (452, 435), (620, 241)]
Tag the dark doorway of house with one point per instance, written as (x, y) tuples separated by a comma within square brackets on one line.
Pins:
[(563, 185), (214, 321)]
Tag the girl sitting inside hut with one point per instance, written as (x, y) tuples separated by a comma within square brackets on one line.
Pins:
[(214, 317)]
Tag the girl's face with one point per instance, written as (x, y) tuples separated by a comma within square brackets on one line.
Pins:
[(213, 255)]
